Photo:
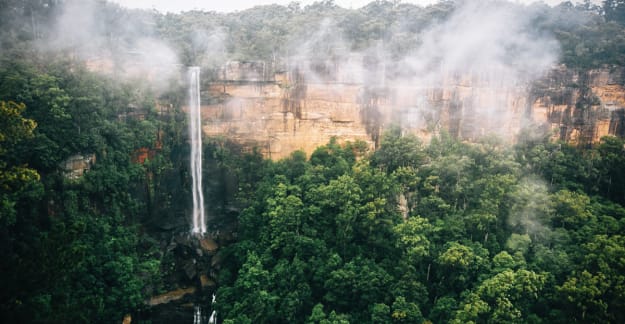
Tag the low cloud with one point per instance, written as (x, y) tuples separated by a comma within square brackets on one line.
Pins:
[(112, 41)]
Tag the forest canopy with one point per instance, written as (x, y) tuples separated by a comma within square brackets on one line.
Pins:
[(445, 232), (412, 232)]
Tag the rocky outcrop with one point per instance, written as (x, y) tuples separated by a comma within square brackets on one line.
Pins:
[(76, 165), (280, 112), (189, 265), (170, 296), (283, 114), (206, 282), (581, 106), (209, 245)]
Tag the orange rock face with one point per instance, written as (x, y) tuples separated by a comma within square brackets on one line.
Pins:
[(581, 107), (281, 118), (171, 296), (283, 112)]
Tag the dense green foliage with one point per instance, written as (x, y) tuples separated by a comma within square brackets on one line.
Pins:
[(442, 232), (589, 35), (70, 246), (445, 232)]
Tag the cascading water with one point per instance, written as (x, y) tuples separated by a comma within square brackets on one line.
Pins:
[(200, 318), (195, 135), (197, 315), (213, 317)]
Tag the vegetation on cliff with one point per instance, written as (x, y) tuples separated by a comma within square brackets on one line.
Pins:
[(444, 232), (70, 246)]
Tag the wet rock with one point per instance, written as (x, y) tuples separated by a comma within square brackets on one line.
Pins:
[(216, 261), (209, 245), (190, 269), (171, 296), (206, 282), (182, 239)]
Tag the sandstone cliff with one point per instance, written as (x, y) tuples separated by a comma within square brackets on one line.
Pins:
[(581, 106), (284, 111)]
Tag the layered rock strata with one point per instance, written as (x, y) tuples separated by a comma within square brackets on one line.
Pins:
[(280, 112)]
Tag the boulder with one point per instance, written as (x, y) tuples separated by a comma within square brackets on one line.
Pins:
[(190, 268), (170, 296), (209, 245)]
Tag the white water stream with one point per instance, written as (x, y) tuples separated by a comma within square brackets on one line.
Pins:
[(213, 318), (195, 136), (197, 315)]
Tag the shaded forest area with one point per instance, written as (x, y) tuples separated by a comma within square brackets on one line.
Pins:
[(445, 231)]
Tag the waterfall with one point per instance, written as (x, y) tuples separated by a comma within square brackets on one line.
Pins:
[(197, 315), (195, 135), (213, 317), (199, 318)]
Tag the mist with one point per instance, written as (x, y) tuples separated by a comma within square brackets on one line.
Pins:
[(480, 57), (112, 41), (489, 47), (319, 163), (531, 209), (230, 6), (492, 39)]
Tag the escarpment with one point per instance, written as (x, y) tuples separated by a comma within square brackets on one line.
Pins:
[(280, 110), (581, 106)]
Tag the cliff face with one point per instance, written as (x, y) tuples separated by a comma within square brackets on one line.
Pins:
[(581, 107), (281, 112)]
